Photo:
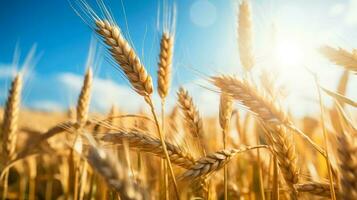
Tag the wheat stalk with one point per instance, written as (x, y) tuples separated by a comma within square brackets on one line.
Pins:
[(84, 98), (165, 64), (126, 57), (213, 162), (192, 116), (10, 118), (259, 103), (245, 39), (115, 175), (152, 145), (341, 98), (225, 113), (340, 57)]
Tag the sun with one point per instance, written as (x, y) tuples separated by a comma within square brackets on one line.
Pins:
[(289, 52)]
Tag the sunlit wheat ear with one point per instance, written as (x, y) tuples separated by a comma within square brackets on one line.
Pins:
[(84, 98), (126, 57), (315, 188), (245, 40), (192, 116), (114, 174), (146, 143), (248, 95), (213, 162), (259, 103), (340, 57), (284, 149), (10, 118), (165, 64), (225, 109)]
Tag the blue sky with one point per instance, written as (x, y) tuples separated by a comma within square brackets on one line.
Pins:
[(205, 44)]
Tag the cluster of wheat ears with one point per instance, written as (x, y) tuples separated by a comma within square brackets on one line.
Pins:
[(257, 152)]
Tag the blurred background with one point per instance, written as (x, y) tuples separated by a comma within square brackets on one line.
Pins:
[(286, 37)]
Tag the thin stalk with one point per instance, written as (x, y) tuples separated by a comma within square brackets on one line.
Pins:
[(152, 108), (76, 180), (32, 188), (22, 187), (332, 188), (5, 185), (164, 164), (275, 192), (49, 185), (261, 183), (84, 176), (225, 166)]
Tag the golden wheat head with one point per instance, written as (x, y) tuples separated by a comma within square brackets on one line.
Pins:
[(340, 57), (84, 98), (165, 64), (245, 39), (10, 119), (126, 57)]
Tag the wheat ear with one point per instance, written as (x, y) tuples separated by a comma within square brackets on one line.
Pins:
[(10, 119), (84, 98), (245, 39), (315, 188), (225, 110), (213, 162), (136, 73), (115, 175), (165, 64), (340, 57), (192, 116), (152, 145), (126, 57), (259, 103), (284, 149), (347, 155)]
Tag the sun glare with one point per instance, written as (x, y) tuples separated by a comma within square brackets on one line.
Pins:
[(288, 52)]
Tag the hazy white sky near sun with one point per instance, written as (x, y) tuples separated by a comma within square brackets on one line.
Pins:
[(207, 45)]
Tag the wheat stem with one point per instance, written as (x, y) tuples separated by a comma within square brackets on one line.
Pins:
[(152, 108), (328, 163)]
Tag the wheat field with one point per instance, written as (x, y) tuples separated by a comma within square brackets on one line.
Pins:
[(253, 148)]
